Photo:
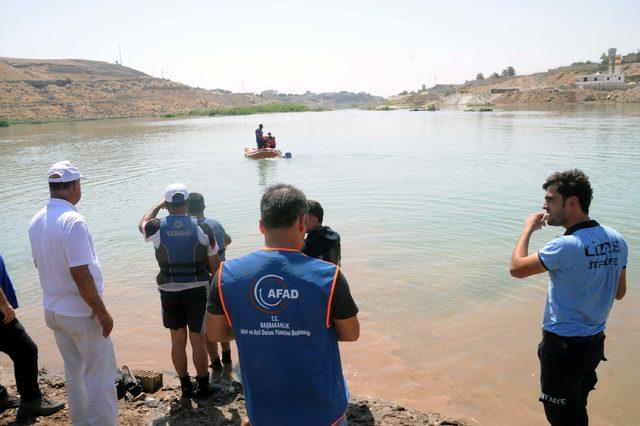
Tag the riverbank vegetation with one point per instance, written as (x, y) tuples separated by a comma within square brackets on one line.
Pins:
[(245, 110), (4, 122)]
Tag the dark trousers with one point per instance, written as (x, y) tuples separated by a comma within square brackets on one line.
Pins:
[(15, 342), (567, 375)]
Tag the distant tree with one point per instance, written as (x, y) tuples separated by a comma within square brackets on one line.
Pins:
[(508, 72), (604, 59), (480, 76), (494, 75), (403, 93)]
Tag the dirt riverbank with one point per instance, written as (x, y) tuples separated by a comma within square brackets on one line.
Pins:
[(165, 407)]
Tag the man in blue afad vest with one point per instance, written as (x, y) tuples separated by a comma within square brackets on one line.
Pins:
[(184, 249), (287, 312), (587, 272)]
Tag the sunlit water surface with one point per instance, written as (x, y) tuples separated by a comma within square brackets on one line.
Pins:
[(428, 205)]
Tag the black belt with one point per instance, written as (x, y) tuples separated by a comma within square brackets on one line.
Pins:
[(572, 339)]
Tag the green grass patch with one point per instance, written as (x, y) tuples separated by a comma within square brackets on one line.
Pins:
[(246, 110), (4, 122), (258, 109), (173, 115)]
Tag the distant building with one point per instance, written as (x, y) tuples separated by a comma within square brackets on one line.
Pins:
[(631, 57), (600, 81), (605, 81), (269, 93)]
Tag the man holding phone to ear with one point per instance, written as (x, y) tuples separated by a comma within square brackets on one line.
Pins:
[(586, 269)]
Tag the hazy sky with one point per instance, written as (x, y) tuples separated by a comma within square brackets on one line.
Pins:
[(380, 47)]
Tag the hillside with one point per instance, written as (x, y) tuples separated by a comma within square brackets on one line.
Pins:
[(326, 99), (32, 89), (555, 87)]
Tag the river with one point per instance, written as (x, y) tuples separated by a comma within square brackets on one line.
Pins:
[(428, 204)]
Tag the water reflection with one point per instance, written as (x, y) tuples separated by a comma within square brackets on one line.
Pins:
[(267, 168)]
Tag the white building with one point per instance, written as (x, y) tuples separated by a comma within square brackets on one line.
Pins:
[(600, 81), (609, 81)]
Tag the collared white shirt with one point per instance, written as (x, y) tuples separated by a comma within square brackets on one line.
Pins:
[(60, 240)]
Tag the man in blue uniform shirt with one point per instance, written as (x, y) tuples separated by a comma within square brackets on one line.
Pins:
[(287, 312), (586, 273)]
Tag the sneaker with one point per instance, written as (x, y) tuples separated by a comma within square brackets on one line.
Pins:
[(226, 356), (41, 406), (9, 401), (205, 389), (216, 364), (186, 387)]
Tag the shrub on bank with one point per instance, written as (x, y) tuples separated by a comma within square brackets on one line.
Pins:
[(257, 109), (4, 122), (246, 110)]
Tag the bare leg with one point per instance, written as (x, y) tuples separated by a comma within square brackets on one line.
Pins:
[(200, 356), (212, 348), (179, 350)]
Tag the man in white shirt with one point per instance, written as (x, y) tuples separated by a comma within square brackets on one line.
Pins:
[(72, 286)]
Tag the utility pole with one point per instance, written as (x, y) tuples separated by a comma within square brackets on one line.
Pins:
[(120, 53), (162, 73), (243, 87)]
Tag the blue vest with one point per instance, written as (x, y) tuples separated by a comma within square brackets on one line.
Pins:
[(277, 302), (181, 256), (218, 231)]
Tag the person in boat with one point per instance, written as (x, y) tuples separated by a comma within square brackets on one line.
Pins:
[(322, 242), (271, 141), (260, 139)]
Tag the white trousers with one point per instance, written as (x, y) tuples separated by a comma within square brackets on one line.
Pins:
[(89, 369)]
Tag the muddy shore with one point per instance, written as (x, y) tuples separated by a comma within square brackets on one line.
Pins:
[(166, 407)]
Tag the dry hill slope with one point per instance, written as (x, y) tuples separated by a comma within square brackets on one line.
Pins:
[(555, 87), (75, 88)]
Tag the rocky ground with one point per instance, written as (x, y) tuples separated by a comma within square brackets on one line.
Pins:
[(165, 407), (555, 87)]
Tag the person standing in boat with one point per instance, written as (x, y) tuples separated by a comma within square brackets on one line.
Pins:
[(260, 140)]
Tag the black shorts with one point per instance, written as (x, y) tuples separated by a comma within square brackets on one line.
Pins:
[(184, 308), (567, 375)]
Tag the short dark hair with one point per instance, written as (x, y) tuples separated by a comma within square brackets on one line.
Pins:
[(60, 186), (196, 203), (315, 208), (174, 208), (570, 183), (281, 205)]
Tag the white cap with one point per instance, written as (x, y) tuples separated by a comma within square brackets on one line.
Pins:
[(176, 193), (63, 171)]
